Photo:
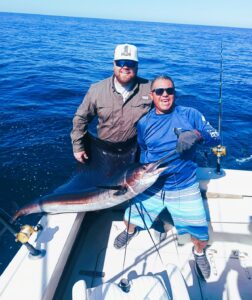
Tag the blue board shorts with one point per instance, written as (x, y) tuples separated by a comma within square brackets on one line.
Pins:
[(185, 206)]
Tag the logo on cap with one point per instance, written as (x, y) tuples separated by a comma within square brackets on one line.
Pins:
[(126, 51)]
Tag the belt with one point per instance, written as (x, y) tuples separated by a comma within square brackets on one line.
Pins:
[(120, 147)]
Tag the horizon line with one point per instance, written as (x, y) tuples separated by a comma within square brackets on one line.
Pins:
[(126, 20)]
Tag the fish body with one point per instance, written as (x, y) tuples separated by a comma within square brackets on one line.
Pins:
[(133, 181)]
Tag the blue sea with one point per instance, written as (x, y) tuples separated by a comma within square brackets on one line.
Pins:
[(47, 64)]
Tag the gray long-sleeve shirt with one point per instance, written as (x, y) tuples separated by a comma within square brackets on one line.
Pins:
[(116, 119)]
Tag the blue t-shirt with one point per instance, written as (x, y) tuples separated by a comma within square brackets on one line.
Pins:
[(156, 139)]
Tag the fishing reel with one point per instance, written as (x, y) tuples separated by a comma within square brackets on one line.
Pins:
[(23, 237), (25, 233), (219, 151)]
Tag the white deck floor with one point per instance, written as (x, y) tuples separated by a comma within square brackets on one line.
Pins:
[(230, 256)]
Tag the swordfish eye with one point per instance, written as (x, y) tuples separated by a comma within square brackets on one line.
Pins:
[(142, 169)]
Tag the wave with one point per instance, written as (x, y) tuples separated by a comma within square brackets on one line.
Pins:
[(244, 160)]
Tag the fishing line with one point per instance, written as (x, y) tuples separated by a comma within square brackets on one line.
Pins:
[(174, 235), (127, 236), (146, 227), (220, 150), (141, 215), (220, 95)]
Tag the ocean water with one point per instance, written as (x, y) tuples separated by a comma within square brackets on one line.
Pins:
[(47, 64)]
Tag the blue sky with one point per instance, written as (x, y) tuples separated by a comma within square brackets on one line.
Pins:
[(235, 13)]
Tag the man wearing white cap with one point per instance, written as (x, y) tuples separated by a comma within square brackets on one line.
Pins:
[(119, 102)]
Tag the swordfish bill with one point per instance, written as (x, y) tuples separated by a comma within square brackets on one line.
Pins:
[(133, 181)]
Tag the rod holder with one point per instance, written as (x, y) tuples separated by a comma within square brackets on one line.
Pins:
[(124, 285)]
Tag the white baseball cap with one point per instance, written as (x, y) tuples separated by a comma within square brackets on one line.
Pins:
[(126, 51)]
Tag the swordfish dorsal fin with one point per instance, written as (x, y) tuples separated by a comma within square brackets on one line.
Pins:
[(120, 189)]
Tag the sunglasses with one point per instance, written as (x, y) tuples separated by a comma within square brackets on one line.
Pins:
[(160, 91), (126, 63)]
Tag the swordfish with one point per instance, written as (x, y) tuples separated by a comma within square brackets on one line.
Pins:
[(133, 181)]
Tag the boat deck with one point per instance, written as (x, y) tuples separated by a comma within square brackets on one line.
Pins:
[(96, 261), (93, 258)]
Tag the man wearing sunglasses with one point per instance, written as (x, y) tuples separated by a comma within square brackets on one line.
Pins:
[(170, 128), (118, 102)]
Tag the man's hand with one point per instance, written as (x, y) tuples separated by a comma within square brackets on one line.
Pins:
[(187, 139), (81, 156)]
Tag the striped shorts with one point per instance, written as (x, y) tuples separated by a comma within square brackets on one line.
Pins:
[(185, 206)]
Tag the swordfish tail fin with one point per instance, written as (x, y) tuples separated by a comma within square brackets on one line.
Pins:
[(27, 210)]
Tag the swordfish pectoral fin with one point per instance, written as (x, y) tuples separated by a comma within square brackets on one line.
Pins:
[(120, 189), (111, 187)]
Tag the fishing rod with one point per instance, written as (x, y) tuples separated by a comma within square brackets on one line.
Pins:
[(220, 150)]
